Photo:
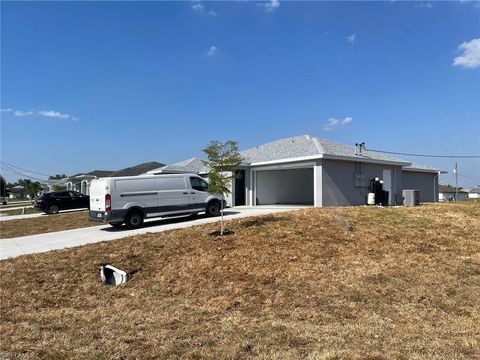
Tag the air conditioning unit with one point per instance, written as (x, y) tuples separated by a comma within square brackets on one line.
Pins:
[(411, 197)]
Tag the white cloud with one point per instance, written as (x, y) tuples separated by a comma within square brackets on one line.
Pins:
[(57, 115), (45, 113), (212, 51), (470, 58), (200, 8), (351, 38), (22, 113), (423, 5), (333, 123), (197, 7), (271, 5)]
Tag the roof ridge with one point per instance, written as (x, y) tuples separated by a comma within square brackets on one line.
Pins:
[(317, 144), (291, 138)]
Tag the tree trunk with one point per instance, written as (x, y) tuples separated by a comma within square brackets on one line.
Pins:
[(221, 217)]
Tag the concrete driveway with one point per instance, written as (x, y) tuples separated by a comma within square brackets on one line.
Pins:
[(70, 238)]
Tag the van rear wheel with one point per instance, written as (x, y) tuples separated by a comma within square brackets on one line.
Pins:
[(134, 220), (213, 209)]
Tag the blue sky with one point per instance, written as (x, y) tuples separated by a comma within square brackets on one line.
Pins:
[(106, 85)]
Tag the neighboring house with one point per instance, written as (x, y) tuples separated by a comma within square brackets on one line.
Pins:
[(193, 165), (137, 169), (81, 182), (448, 193), (474, 193), (306, 170), (17, 192)]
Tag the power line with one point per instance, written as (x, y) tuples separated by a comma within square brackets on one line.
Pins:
[(427, 155), (15, 172), (18, 167), (468, 178)]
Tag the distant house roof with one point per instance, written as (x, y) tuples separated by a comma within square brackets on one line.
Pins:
[(137, 169), (193, 165), (448, 189), (307, 146), (474, 191), (89, 175), (17, 189), (100, 173)]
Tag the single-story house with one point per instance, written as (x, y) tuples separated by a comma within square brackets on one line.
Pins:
[(448, 193), (81, 182), (193, 165), (17, 192), (306, 170), (474, 193)]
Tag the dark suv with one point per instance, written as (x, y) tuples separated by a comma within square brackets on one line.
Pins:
[(53, 202)]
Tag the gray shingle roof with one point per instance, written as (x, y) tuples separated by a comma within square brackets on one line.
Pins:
[(295, 147), (137, 169), (193, 165), (306, 145)]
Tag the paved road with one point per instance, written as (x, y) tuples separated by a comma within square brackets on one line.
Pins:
[(64, 239)]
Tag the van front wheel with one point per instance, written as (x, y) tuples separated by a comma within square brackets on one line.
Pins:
[(134, 220), (213, 209)]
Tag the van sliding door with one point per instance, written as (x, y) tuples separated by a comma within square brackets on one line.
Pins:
[(137, 192), (172, 194)]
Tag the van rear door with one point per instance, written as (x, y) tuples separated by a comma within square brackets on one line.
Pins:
[(98, 189)]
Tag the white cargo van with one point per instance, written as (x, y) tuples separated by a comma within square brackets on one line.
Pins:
[(131, 199)]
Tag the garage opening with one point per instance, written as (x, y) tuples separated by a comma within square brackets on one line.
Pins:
[(285, 187)]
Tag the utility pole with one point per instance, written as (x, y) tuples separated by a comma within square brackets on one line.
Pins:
[(456, 181)]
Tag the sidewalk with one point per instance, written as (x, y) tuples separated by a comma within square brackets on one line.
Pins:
[(29, 216)]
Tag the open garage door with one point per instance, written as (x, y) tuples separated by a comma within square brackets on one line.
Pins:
[(285, 187)]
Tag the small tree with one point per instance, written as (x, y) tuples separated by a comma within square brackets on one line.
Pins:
[(223, 159), (57, 177), (33, 188)]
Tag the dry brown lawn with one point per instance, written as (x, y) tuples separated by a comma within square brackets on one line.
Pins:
[(44, 224), (333, 283)]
